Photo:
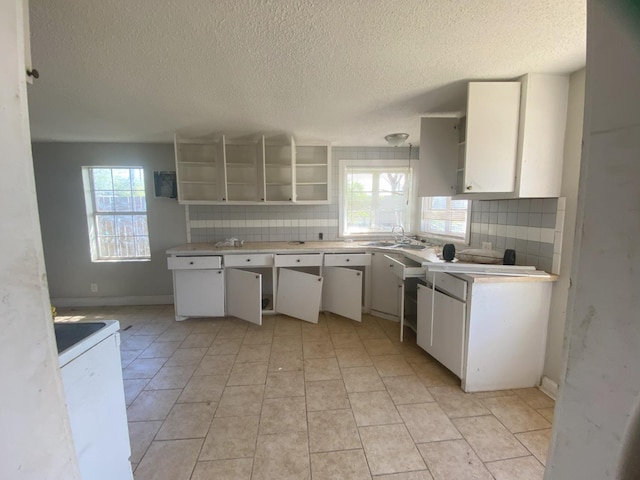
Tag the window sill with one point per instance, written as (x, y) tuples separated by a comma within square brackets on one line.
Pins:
[(120, 260)]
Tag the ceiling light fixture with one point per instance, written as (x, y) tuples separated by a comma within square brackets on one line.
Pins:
[(396, 139)]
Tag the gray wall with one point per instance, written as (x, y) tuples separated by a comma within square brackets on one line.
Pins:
[(63, 219), (601, 385)]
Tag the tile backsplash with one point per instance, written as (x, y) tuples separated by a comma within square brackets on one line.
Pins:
[(272, 223), (531, 226)]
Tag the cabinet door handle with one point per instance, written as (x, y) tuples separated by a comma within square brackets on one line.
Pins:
[(248, 259), (358, 274), (319, 279), (190, 263), (391, 265), (348, 259), (298, 260), (219, 272), (469, 187)]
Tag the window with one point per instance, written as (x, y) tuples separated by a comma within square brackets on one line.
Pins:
[(445, 217), (375, 196), (116, 213)]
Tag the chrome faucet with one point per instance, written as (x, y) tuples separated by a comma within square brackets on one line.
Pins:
[(403, 238)]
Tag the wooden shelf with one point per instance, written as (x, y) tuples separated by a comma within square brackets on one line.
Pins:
[(197, 182)]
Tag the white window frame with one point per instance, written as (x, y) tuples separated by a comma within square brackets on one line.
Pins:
[(93, 214), (440, 236), (388, 163)]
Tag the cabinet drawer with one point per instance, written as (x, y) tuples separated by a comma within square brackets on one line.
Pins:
[(405, 268), (308, 260), (347, 259), (260, 260), (194, 263), (450, 284)]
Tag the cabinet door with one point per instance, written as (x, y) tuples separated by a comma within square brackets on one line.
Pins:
[(384, 286), (449, 332), (438, 157), (244, 295), (425, 318), (199, 293), (491, 136), (299, 294), (342, 292)]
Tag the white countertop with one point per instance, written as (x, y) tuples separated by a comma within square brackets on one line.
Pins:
[(421, 256)]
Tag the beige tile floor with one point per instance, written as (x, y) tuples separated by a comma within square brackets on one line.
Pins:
[(223, 399)]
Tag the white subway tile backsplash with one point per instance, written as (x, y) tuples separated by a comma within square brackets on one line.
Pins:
[(493, 228), (522, 232), (511, 231), (501, 230), (547, 235), (533, 233)]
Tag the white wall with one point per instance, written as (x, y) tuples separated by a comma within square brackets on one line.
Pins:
[(602, 378), (569, 190), (35, 436), (70, 271)]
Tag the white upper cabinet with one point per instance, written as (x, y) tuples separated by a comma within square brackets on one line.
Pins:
[(200, 170), (263, 171), (489, 139), (509, 145), (438, 157), (543, 122)]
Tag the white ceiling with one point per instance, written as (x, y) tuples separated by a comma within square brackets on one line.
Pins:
[(346, 71)]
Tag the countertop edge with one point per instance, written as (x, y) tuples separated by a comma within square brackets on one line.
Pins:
[(73, 352)]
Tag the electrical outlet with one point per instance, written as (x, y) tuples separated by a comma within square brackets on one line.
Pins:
[(94, 288), (486, 245)]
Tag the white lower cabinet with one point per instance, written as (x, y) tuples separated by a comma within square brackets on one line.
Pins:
[(491, 334), (299, 294), (344, 289), (384, 287), (441, 327), (244, 295), (198, 286), (407, 272)]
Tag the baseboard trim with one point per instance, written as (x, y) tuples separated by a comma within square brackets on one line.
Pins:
[(112, 301), (385, 316), (549, 387)]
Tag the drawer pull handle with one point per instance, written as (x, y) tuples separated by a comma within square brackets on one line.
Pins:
[(348, 259), (298, 260), (391, 265), (248, 259), (319, 279), (358, 274), (257, 276), (219, 272), (190, 263)]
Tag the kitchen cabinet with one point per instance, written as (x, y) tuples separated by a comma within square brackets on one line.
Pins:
[(200, 170), (489, 331), (443, 335), (312, 173), (510, 144), (344, 288), (299, 289), (489, 138), (384, 287), (267, 170), (249, 283), (198, 286), (407, 273)]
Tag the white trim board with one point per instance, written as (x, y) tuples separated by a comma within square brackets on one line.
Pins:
[(112, 301)]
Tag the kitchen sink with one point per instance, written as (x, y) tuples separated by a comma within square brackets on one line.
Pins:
[(405, 246)]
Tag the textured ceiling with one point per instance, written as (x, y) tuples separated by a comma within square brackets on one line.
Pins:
[(345, 71)]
